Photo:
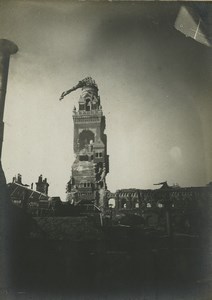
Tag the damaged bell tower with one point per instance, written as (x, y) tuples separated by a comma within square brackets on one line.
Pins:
[(87, 184)]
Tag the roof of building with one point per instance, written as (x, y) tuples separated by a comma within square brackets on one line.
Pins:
[(17, 190)]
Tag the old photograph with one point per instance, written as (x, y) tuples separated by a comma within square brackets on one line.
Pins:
[(106, 150)]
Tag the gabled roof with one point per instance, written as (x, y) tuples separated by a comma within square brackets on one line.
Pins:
[(17, 190)]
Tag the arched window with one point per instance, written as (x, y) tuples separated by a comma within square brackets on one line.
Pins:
[(112, 203), (123, 203), (81, 107), (88, 104), (84, 138), (99, 154)]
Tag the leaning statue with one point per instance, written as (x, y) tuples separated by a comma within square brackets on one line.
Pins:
[(88, 81)]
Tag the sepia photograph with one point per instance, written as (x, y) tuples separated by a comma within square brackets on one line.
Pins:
[(106, 150)]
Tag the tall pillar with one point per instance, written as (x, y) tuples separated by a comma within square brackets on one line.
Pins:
[(6, 49)]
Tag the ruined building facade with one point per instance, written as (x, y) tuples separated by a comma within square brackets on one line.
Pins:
[(87, 184)]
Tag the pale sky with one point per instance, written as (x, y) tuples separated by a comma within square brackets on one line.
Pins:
[(154, 83)]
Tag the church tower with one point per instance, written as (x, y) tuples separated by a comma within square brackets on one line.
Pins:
[(87, 184)]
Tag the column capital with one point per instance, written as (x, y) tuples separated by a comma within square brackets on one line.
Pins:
[(8, 47)]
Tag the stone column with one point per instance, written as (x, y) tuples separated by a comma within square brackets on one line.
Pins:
[(6, 49)]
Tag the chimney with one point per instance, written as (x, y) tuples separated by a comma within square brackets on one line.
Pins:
[(42, 185)]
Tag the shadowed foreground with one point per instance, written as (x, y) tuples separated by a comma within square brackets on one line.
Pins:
[(72, 257)]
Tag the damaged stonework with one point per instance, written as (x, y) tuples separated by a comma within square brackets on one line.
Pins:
[(87, 185)]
